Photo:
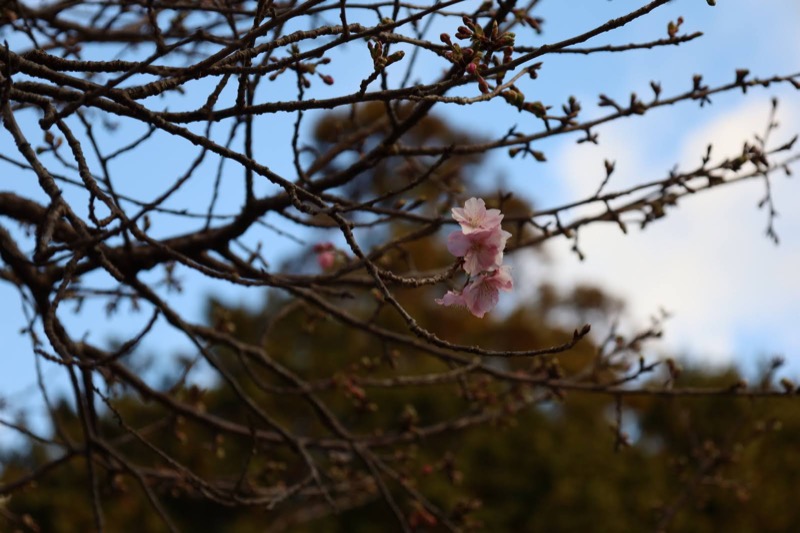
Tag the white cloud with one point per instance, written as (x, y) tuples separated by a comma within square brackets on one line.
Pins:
[(731, 290)]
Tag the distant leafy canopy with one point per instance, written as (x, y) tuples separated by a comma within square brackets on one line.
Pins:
[(165, 146), (710, 462)]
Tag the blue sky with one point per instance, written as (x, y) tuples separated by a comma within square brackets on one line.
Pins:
[(733, 293)]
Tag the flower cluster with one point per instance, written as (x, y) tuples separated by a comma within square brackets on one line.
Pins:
[(480, 242)]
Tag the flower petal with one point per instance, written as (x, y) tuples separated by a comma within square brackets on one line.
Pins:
[(451, 298), (501, 279), (480, 296), (475, 217), (458, 244)]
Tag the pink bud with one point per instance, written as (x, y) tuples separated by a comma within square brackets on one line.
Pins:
[(322, 247), (326, 260)]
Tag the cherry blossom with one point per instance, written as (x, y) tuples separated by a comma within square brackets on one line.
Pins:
[(475, 217), (480, 242), (482, 293), (452, 298), (481, 250)]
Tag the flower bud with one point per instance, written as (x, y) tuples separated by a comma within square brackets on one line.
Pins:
[(395, 57), (463, 33), (326, 260)]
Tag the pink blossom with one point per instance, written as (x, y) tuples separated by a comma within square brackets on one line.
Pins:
[(475, 217), (481, 250), (451, 298), (480, 241), (483, 292)]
